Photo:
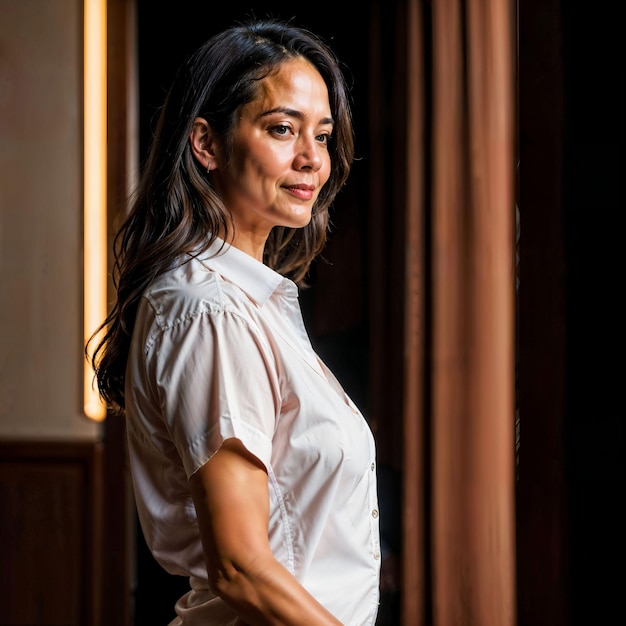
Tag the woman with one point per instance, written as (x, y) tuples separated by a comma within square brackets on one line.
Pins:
[(254, 473)]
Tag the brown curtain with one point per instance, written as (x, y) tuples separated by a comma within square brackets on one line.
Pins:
[(459, 293)]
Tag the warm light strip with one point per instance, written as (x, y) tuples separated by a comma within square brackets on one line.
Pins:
[(95, 200)]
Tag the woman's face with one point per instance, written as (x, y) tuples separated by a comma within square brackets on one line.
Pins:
[(280, 158)]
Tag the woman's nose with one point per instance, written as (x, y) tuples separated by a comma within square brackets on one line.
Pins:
[(308, 155)]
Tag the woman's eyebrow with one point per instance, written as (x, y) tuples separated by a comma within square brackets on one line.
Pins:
[(294, 113)]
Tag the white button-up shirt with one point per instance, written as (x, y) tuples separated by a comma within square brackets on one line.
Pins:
[(220, 350)]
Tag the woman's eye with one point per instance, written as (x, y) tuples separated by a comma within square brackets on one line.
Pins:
[(324, 138), (280, 129)]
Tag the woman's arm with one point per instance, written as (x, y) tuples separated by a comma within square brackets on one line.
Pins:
[(231, 497)]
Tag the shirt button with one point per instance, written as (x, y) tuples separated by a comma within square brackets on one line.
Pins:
[(372, 467), (375, 513), (377, 555)]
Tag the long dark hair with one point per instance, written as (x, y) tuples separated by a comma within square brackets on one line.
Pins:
[(175, 208)]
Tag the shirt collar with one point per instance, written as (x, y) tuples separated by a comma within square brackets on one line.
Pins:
[(255, 278)]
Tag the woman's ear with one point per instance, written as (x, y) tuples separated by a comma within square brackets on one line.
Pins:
[(203, 144)]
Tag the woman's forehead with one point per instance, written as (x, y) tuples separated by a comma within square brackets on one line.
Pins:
[(296, 85)]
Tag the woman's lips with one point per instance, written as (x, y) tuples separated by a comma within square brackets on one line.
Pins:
[(303, 192)]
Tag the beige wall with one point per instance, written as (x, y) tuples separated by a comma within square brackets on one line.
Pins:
[(41, 358)]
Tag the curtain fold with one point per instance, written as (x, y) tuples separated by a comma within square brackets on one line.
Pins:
[(415, 562), (459, 552)]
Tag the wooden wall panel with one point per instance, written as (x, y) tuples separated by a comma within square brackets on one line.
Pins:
[(49, 533)]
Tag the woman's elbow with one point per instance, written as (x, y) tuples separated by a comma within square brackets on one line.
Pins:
[(232, 584)]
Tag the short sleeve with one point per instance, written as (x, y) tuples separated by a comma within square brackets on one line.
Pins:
[(216, 378)]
